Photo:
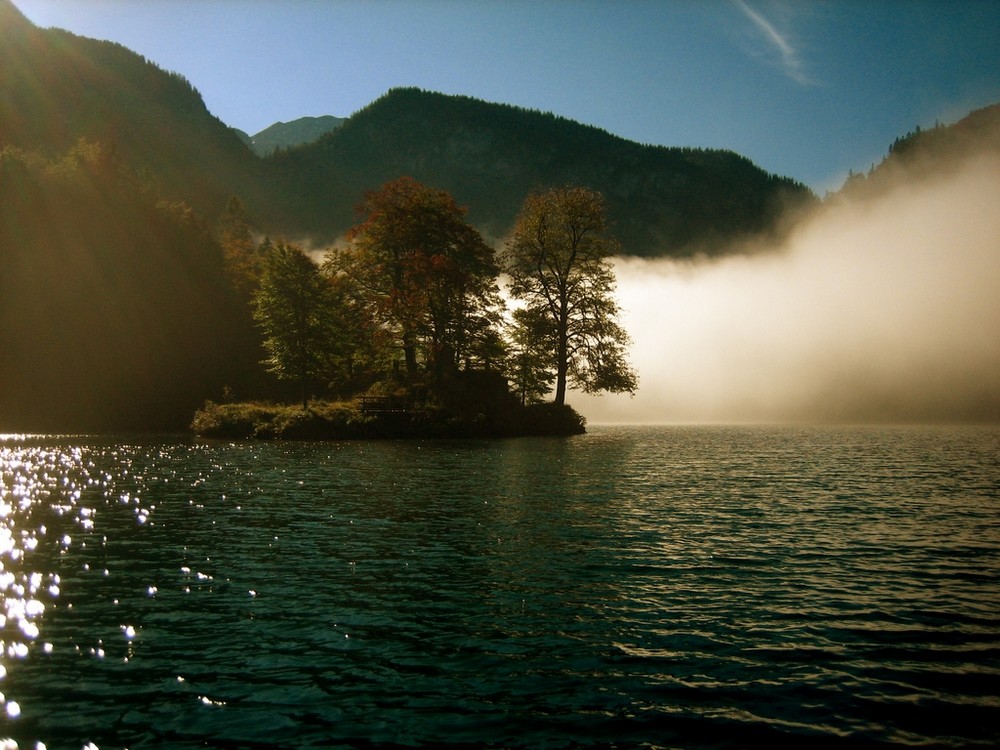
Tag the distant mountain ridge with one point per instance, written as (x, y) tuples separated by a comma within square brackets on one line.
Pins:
[(491, 156), (288, 134), (57, 88)]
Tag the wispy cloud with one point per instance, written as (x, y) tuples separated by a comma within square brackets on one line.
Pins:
[(791, 63)]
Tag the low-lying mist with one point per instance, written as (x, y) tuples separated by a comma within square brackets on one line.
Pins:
[(886, 310)]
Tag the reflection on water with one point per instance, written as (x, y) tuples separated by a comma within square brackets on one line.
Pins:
[(695, 587)]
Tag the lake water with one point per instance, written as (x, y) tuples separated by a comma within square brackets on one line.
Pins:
[(695, 587)]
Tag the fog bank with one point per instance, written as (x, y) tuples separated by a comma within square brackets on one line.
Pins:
[(884, 311)]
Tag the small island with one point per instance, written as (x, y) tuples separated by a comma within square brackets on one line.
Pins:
[(404, 330), (476, 405)]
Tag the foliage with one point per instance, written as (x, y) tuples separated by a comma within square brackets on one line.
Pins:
[(255, 419), (529, 362), (334, 420), (243, 257), (552, 419), (558, 261), (428, 277), (115, 311), (295, 307)]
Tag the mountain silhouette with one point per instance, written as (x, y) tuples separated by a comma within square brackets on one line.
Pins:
[(57, 88), (295, 133), (661, 201)]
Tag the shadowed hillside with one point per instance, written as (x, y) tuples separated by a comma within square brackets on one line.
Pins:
[(115, 311), (922, 153), (57, 88), (490, 156)]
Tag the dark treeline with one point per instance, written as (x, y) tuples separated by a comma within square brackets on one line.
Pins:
[(490, 157), (115, 310), (926, 151)]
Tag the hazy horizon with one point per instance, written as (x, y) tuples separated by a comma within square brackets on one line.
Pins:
[(884, 310)]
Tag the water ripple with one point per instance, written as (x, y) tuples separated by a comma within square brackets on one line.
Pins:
[(640, 587)]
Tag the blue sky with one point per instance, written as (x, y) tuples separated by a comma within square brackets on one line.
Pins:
[(804, 88)]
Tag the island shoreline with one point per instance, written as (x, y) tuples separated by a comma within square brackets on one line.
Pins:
[(328, 420)]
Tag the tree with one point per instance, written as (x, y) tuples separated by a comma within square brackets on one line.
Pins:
[(528, 363), (429, 276), (558, 259), (295, 307), (242, 256)]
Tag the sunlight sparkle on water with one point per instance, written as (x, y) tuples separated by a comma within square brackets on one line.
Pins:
[(33, 482)]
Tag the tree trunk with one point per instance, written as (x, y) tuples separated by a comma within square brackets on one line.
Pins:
[(562, 367), (562, 349), (410, 354)]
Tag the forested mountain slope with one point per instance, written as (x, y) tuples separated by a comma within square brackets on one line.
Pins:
[(490, 157), (923, 153), (115, 309), (57, 88), (298, 132)]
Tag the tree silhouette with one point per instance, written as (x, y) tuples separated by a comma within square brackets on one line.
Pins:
[(428, 275), (529, 365), (295, 307), (558, 261)]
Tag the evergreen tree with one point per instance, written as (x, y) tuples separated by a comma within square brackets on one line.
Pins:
[(295, 307)]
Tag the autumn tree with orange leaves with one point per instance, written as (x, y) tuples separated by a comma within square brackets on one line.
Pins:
[(428, 278)]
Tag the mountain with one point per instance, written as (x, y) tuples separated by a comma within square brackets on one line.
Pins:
[(295, 133), (244, 137), (661, 201), (57, 88), (115, 308), (922, 153)]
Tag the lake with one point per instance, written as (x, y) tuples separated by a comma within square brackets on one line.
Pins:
[(695, 587)]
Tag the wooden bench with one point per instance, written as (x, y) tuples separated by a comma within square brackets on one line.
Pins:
[(385, 404)]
